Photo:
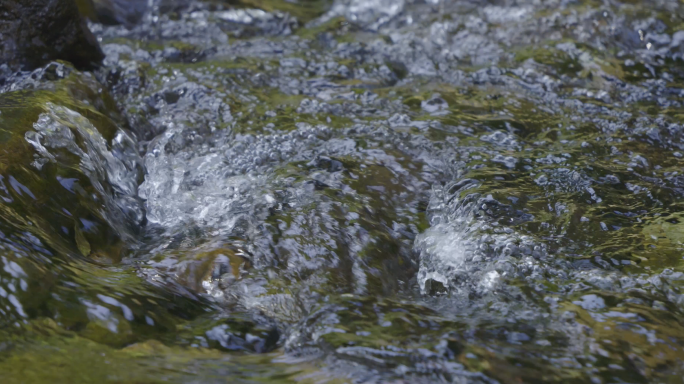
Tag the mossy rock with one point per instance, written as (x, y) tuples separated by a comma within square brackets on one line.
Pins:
[(53, 195)]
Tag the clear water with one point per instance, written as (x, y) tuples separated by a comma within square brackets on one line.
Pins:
[(350, 191)]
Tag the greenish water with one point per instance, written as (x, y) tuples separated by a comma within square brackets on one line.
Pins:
[(352, 191)]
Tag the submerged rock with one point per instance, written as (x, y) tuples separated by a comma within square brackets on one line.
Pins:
[(371, 191), (35, 32), (69, 174)]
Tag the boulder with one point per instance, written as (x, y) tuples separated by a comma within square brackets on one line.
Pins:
[(35, 32)]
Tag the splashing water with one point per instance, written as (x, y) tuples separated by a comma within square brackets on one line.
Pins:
[(349, 191)]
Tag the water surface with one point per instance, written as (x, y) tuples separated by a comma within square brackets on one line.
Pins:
[(366, 191)]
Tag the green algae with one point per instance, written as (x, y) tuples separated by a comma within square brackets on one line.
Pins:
[(29, 211), (87, 350), (71, 359)]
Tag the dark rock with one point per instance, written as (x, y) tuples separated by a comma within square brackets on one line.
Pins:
[(434, 287), (35, 32)]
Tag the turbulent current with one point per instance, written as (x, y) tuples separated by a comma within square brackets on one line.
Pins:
[(362, 191)]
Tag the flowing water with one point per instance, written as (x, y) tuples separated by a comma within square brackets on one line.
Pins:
[(371, 191)]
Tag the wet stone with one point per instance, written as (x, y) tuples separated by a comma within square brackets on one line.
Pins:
[(28, 39), (365, 191)]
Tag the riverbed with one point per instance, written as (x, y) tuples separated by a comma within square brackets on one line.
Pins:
[(366, 191)]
